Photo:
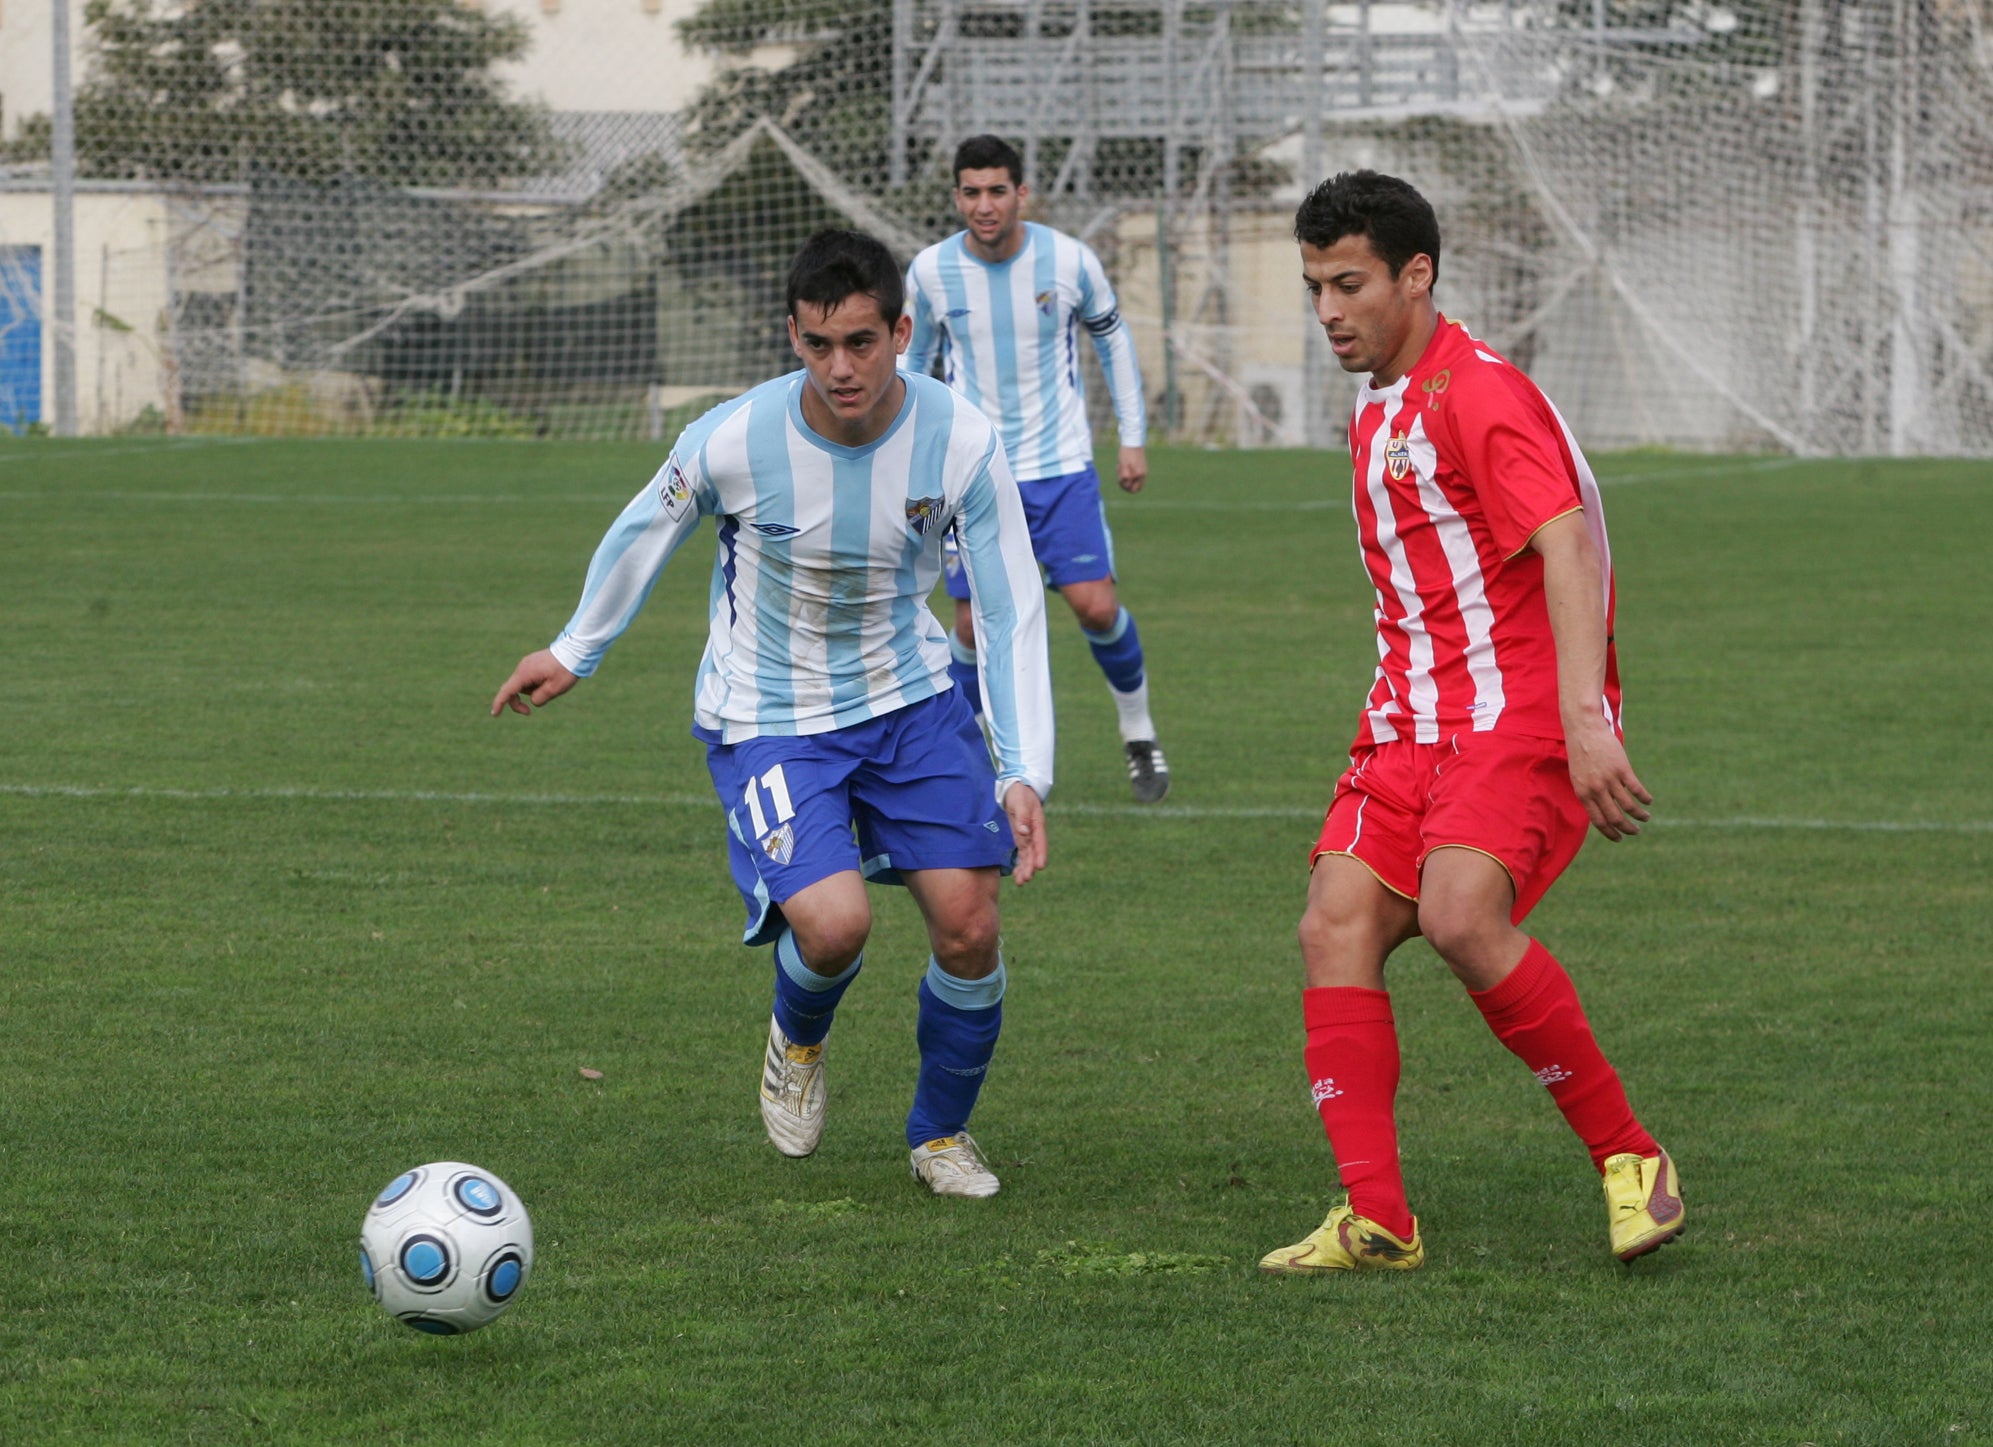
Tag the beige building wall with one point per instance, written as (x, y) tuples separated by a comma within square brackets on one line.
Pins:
[(135, 248)]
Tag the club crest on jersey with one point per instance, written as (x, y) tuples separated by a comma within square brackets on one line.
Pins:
[(780, 846), (923, 513), (1398, 456), (674, 491), (1045, 300)]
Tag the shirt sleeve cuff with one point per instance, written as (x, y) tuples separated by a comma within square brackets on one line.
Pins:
[(1003, 787), (570, 656)]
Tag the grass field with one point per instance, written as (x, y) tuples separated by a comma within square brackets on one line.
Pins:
[(283, 912)]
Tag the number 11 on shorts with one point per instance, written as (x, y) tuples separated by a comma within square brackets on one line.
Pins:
[(778, 795)]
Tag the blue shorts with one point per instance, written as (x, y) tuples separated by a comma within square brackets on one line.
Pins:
[(1069, 535), (912, 789)]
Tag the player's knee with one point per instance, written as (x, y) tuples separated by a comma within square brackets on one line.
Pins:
[(1097, 613), (1461, 932), (967, 947), (829, 943), (1330, 933)]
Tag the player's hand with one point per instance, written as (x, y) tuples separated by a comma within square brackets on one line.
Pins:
[(1133, 469), (540, 677), (1612, 794), (1027, 826)]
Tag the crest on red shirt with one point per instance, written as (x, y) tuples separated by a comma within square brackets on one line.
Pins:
[(1398, 456)]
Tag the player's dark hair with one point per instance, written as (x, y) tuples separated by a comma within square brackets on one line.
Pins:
[(1396, 219), (986, 153), (834, 265)]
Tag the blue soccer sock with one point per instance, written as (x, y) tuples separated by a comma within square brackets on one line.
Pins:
[(1118, 651), (959, 1024), (962, 669), (804, 1000)]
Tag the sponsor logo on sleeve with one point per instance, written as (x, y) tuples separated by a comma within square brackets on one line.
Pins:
[(674, 491)]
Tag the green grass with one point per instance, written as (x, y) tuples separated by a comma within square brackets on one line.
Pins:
[(283, 913)]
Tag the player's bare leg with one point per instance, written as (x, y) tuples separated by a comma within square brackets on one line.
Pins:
[(961, 1014), (1465, 898), (1351, 925), (816, 957)]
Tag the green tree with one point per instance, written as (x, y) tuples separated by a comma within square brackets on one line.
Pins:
[(397, 91)]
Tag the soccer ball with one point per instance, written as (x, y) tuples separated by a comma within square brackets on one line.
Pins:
[(446, 1247)]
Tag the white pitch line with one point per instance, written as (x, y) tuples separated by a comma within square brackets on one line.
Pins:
[(707, 801), (337, 499), (316, 499)]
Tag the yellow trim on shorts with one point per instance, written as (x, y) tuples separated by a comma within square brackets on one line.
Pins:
[(1320, 854), (1514, 887)]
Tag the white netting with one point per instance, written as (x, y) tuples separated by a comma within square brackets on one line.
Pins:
[(1749, 225)]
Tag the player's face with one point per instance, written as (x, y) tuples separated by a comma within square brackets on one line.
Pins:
[(991, 203), (851, 354), (1372, 318)]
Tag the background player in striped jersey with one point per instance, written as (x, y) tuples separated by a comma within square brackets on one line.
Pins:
[(824, 697), (1003, 302), (1489, 740)]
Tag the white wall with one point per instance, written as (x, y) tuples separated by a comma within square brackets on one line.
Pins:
[(121, 298)]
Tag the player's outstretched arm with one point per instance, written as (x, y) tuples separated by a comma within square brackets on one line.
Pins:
[(1027, 826), (540, 678), (1574, 590)]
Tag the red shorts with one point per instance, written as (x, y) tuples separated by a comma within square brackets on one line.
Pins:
[(1507, 797)]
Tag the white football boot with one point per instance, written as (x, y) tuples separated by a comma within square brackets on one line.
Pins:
[(793, 1093), (954, 1166)]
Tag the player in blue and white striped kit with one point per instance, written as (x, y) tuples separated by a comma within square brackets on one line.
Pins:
[(835, 737), (1003, 303)]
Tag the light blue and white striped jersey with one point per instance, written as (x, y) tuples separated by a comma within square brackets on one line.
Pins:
[(1008, 333), (827, 554)]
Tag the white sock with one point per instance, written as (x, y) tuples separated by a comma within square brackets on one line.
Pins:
[(1133, 707)]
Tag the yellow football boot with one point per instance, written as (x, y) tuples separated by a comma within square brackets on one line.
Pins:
[(1346, 1242), (1644, 1201)]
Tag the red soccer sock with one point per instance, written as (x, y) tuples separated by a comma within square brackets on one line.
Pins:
[(1352, 1058), (1535, 1012)]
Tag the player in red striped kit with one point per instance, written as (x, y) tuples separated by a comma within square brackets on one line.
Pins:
[(1490, 740)]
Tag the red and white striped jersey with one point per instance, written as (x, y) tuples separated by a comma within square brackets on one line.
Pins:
[(1457, 464)]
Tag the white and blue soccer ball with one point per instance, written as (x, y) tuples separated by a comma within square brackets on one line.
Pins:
[(446, 1247)]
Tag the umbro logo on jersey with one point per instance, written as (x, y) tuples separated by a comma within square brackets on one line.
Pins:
[(775, 530), (960, 311), (1398, 456), (923, 513)]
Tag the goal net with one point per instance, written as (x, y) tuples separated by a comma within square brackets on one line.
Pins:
[(1738, 226)]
